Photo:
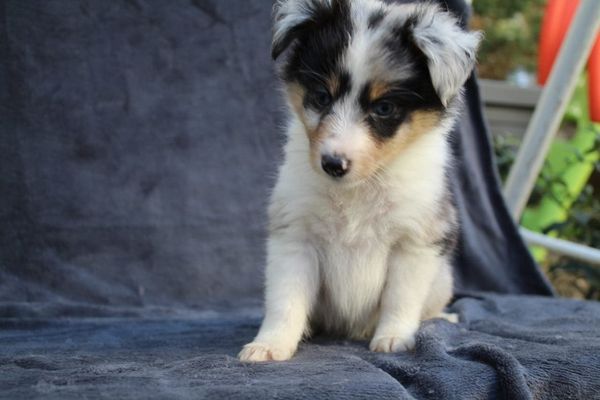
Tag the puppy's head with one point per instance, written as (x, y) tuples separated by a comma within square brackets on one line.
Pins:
[(366, 79)]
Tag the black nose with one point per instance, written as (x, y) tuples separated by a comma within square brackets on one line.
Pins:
[(335, 166)]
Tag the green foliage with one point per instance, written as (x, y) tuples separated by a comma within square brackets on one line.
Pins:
[(500, 9), (511, 30), (562, 204), (581, 225)]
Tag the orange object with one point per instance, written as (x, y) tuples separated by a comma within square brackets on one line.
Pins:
[(557, 19), (594, 82)]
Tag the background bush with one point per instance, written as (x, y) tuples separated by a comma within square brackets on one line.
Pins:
[(512, 30)]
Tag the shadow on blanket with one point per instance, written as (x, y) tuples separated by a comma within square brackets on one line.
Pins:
[(139, 139)]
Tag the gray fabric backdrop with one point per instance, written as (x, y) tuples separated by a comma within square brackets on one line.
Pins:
[(139, 142)]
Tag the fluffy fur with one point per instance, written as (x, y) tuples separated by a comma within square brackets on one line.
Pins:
[(362, 223)]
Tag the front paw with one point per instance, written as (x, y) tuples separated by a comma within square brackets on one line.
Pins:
[(392, 344), (258, 352)]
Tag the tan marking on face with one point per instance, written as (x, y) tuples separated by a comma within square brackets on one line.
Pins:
[(296, 94), (333, 84), (363, 163), (378, 89), (384, 151), (316, 138)]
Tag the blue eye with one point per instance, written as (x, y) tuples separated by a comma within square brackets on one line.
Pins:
[(383, 109), (321, 98)]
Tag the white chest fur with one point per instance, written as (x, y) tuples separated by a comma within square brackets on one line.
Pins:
[(353, 229), (352, 234)]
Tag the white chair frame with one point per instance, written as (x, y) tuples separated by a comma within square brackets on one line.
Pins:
[(545, 122)]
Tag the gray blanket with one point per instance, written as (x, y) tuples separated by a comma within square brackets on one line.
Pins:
[(138, 141), (508, 347)]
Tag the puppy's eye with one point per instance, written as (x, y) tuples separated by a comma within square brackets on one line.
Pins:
[(321, 98), (383, 109)]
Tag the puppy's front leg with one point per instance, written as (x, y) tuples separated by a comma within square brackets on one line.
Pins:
[(291, 289), (410, 275)]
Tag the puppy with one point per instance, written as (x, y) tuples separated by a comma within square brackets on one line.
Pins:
[(362, 223)]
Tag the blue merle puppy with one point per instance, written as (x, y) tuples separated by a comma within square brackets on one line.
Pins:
[(362, 224)]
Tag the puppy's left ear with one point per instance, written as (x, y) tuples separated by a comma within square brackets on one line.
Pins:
[(450, 50), (294, 18)]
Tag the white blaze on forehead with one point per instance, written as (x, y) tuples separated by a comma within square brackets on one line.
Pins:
[(358, 60), (361, 50), (366, 58)]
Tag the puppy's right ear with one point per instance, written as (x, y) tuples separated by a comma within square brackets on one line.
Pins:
[(292, 18)]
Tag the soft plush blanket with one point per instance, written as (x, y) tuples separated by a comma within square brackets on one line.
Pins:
[(507, 347)]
